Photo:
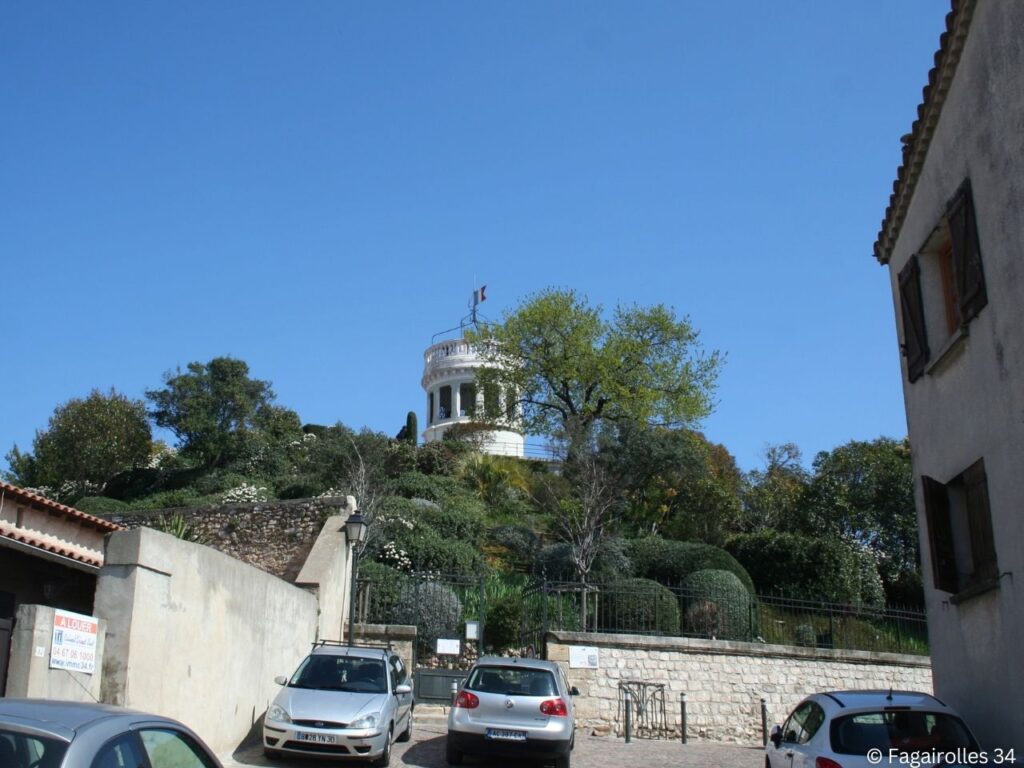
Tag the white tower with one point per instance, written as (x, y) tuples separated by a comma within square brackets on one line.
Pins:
[(449, 379)]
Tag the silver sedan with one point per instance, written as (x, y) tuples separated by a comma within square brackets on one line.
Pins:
[(38, 733)]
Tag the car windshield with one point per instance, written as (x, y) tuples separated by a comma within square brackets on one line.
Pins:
[(904, 730), (512, 681), (341, 673), (20, 750)]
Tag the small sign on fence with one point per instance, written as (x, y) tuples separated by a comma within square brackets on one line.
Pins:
[(472, 630), (74, 642), (583, 657), (448, 646)]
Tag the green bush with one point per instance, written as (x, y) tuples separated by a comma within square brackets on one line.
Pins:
[(433, 608), (611, 564), (671, 562), (520, 541), (219, 481), (456, 520), (101, 505), (383, 589), (441, 457), (503, 627), (638, 605), (416, 485), (717, 604), (809, 568), (181, 497), (304, 487), (805, 635)]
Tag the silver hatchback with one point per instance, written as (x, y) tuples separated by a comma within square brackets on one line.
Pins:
[(514, 708)]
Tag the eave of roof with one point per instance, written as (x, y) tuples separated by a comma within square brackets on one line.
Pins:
[(29, 497), (915, 146), (29, 541)]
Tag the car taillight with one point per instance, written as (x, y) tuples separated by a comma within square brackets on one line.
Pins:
[(554, 707), (466, 700), (824, 762)]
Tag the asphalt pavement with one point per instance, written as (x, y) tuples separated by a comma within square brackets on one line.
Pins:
[(426, 750)]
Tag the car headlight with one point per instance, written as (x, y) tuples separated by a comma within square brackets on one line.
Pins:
[(278, 713), (367, 721)]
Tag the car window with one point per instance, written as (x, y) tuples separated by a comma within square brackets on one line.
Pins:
[(512, 681), (19, 750), (341, 673), (398, 670), (173, 749), (793, 730), (120, 752), (905, 730), (812, 721)]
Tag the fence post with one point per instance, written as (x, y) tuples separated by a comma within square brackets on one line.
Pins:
[(455, 692), (682, 710), (764, 723), (629, 713)]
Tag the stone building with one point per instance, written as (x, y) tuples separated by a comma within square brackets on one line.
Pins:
[(952, 238)]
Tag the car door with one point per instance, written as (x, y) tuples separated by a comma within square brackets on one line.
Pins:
[(804, 750), (792, 738)]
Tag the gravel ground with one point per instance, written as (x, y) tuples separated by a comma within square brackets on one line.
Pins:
[(426, 750)]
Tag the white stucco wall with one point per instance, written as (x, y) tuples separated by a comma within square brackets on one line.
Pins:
[(195, 634), (972, 405)]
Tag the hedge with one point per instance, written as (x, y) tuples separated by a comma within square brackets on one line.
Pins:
[(717, 604), (638, 605), (669, 561)]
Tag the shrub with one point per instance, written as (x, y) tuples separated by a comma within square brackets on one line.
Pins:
[(218, 481), (181, 497), (805, 635), (717, 604), (611, 564), (456, 520), (638, 605), (304, 487), (429, 550), (809, 568), (671, 562), (101, 505), (441, 457), (416, 485), (412, 429), (383, 589), (433, 608), (503, 627), (520, 541)]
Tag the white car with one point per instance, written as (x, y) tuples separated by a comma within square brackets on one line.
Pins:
[(865, 729), (342, 701)]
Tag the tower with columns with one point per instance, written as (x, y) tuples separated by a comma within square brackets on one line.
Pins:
[(449, 380)]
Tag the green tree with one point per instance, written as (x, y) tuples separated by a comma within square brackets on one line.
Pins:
[(774, 497), (211, 408), (87, 440), (571, 367)]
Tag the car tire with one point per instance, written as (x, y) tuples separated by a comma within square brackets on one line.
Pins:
[(385, 757), (562, 761), (272, 754), (451, 755), (407, 733)]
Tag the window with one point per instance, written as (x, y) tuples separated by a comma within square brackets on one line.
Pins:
[(960, 530), (942, 287), (430, 408), (444, 395), (120, 752), (803, 723), (172, 749), (467, 399), (21, 750), (397, 670)]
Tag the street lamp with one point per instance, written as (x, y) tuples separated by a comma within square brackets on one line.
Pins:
[(355, 533)]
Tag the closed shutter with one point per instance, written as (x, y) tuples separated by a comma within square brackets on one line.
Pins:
[(963, 230), (940, 535), (915, 340), (979, 520)]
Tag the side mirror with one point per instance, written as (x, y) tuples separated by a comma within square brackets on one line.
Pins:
[(403, 688), (281, 680), (776, 736), (574, 691)]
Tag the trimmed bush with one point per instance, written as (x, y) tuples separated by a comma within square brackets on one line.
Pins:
[(433, 608), (640, 606), (809, 568), (611, 564), (717, 604), (412, 429), (101, 505), (671, 562)]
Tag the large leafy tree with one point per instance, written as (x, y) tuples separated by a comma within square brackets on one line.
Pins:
[(774, 496), (569, 367), (213, 408), (87, 440)]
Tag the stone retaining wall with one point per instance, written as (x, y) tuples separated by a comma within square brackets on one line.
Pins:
[(274, 536), (724, 681)]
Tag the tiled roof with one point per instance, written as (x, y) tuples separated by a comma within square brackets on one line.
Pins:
[(915, 145), (50, 544), (26, 496)]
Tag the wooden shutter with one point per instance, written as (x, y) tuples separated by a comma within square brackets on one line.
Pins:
[(940, 535), (963, 230), (979, 520), (915, 340)]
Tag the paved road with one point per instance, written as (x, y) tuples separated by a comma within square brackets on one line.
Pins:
[(426, 750)]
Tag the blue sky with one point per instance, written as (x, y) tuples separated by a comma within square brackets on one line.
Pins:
[(316, 187)]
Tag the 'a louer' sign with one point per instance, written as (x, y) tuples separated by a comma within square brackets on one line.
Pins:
[(74, 642)]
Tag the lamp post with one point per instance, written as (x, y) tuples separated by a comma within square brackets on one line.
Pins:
[(355, 533)]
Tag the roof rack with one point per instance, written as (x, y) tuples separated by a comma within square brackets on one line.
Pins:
[(387, 646)]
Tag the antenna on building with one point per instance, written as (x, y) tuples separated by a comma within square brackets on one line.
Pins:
[(474, 318)]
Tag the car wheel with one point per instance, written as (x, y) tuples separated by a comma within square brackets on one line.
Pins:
[(273, 754), (451, 754), (407, 733), (562, 761), (385, 757)]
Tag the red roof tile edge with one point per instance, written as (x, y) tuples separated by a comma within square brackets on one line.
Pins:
[(35, 498), (915, 149), (40, 544)]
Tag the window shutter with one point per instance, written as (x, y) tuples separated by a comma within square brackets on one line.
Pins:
[(940, 535), (979, 521), (963, 230), (915, 341)]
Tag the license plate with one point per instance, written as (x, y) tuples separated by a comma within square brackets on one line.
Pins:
[(317, 738), (500, 734)]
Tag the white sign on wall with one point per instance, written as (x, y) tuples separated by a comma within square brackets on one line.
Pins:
[(583, 657), (472, 630), (74, 642), (448, 647)]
